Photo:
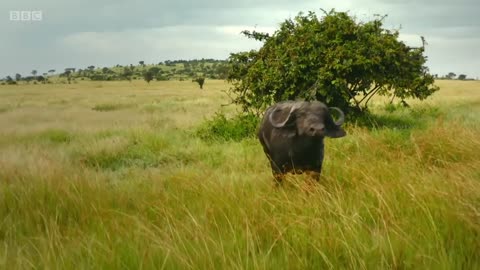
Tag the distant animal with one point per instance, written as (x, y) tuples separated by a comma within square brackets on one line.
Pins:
[(292, 133)]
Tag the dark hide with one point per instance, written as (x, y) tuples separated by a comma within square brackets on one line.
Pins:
[(292, 134)]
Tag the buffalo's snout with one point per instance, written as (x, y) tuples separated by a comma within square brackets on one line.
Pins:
[(316, 130)]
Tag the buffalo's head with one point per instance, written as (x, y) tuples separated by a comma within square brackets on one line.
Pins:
[(308, 118)]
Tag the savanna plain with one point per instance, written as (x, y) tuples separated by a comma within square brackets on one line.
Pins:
[(118, 175)]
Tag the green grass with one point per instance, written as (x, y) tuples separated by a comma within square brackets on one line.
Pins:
[(141, 187)]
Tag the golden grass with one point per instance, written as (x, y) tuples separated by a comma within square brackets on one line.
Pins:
[(130, 186), (452, 91), (31, 108)]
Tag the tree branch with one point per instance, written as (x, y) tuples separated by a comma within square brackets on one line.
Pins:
[(371, 94), (393, 97), (350, 93)]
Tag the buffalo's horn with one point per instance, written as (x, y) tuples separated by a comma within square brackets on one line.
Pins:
[(341, 118), (279, 125)]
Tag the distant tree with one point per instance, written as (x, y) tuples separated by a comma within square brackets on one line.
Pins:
[(41, 79), (200, 81), (106, 70), (142, 63), (18, 77), (154, 70), (148, 76), (127, 73), (28, 79), (9, 80), (98, 77), (161, 77), (462, 77), (51, 71), (221, 71), (67, 73), (451, 75), (34, 73), (169, 63), (91, 68)]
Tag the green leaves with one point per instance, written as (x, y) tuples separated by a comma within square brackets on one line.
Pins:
[(334, 59)]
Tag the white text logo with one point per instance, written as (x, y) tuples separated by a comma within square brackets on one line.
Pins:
[(26, 15)]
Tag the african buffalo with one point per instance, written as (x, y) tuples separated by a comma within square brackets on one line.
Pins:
[(292, 133)]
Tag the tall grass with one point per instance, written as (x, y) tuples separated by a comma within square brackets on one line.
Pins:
[(130, 189)]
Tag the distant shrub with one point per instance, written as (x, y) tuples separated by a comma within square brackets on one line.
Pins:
[(221, 128), (97, 77), (161, 77), (56, 136), (200, 81), (4, 109), (110, 107)]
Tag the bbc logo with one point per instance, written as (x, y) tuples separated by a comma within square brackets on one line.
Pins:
[(26, 15)]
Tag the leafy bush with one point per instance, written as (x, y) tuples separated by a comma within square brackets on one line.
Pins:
[(221, 128), (335, 59)]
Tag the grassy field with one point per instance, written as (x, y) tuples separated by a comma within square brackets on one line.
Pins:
[(100, 175)]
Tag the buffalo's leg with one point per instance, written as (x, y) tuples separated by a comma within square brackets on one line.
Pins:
[(278, 173), (278, 177), (318, 166), (315, 175)]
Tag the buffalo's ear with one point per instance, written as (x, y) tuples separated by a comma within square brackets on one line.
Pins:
[(334, 128), (335, 132), (283, 116)]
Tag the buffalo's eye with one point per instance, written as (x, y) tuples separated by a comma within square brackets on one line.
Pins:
[(312, 129)]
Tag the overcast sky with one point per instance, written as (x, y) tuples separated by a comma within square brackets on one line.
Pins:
[(79, 33)]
